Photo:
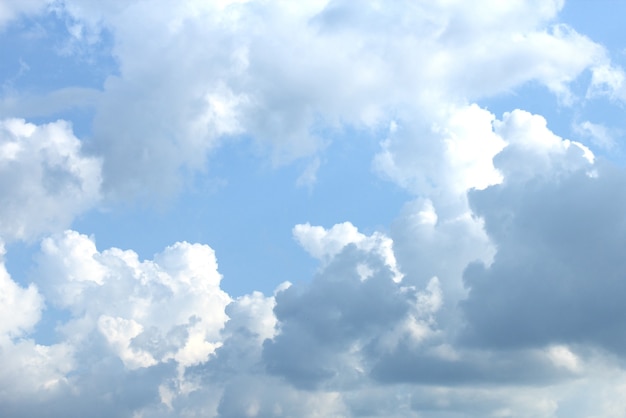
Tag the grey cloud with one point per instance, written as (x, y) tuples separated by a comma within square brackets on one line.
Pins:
[(558, 275), (424, 366), (320, 322), (480, 401)]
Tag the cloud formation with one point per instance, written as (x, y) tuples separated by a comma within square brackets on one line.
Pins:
[(196, 73), (496, 291), (46, 178)]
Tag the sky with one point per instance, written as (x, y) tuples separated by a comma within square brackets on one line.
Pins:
[(322, 208)]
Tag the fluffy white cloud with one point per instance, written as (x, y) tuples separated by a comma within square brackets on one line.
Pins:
[(325, 244), (27, 368), (130, 323), (45, 178), (194, 73), (171, 308), (20, 309)]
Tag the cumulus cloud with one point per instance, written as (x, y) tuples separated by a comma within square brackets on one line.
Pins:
[(135, 325), (556, 224), (147, 311), (496, 291), (331, 326), (325, 244), (20, 308), (28, 368), (46, 178), (195, 73)]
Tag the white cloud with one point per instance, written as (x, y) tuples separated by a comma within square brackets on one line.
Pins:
[(20, 308), (130, 323), (325, 244), (535, 150), (13, 9), (607, 80), (171, 308), (450, 155), (28, 369), (46, 179), (600, 136), (192, 73)]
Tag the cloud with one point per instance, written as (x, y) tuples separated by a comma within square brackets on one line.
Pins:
[(135, 325), (608, 80), (556, 221), (148, 311), (270, 397), (46, 178), (20, 308), (496, 291), (309, 175), (13, 9), (28, 368), (325, 244), (600, 135), (330, 328), (172, 102)]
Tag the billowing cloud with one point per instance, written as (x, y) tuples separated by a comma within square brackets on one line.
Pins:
[(354, 305), (325, 244), (45, 178), (28, 368), (128, 320), (148, 312), (195, 73), (557, 225), (496, 291)]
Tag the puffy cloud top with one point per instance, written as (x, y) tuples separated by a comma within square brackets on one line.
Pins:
[(45, 178)]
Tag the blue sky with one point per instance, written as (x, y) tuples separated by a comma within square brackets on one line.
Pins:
[(327, 208)]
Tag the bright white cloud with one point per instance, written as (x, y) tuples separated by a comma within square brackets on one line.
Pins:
[(193, 73), (28, 369), (20, 308), (454, 152), (171, 308), (326, 244), (46, 180)]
